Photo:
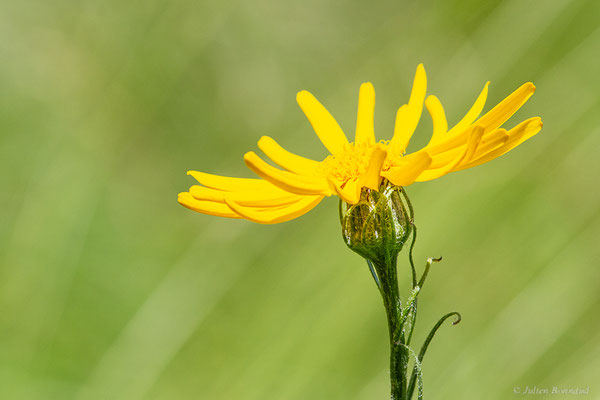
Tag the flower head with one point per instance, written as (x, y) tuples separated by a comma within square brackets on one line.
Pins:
[(378, 226), (284, 194)]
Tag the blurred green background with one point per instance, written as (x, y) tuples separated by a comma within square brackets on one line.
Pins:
[(111, 290)]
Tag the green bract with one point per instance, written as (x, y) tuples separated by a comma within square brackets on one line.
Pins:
[(378, 226)]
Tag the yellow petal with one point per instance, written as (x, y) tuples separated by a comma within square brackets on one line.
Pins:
[(229, 184), (206, 207), (274, 216), (491, 141), (408, 119), (349, 191), (370, 178), (493, 136), (516, 136), (438, 116), (207, 194), (506, 108), (406, 169), (443, 159), (263, 198), (488, 142), (290, 161), (473, 113), (324, 125), (398, 144), (475, 136), (365, 128), (491, 120), (287, 181)]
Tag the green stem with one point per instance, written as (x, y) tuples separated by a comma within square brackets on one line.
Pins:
[(386, 271), (387, 274), (397, 319)]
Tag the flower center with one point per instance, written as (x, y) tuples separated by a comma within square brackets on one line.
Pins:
[(351, 163)]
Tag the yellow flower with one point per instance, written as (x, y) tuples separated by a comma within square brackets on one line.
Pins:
[(284, 194)]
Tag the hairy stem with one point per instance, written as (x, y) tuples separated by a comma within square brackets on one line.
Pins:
[(386, 271)]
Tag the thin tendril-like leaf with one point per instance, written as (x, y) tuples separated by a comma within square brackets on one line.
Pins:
[(409, 309), (410, 207), (430, 261), (410, 254), (414, 238), (417, 371), (414, 322), (372, 269), (411, 385)]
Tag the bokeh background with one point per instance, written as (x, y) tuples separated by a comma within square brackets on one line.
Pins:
[(110, 290)]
